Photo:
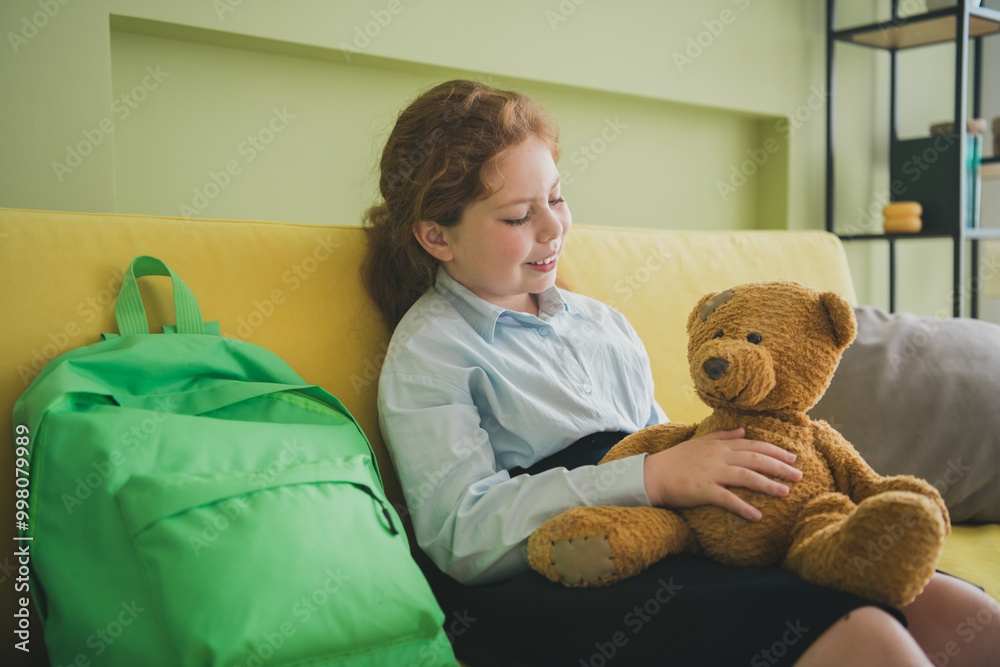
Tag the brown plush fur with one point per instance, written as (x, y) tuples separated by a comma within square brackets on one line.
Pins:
[(843, 525)]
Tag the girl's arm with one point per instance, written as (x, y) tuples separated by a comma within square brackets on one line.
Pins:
[(469, 515)]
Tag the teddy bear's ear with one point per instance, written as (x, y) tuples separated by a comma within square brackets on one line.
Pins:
[(845, 325)]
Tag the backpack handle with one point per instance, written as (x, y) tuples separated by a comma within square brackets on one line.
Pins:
[(131, 314)]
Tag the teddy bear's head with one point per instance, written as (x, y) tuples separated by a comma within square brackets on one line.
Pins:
[(767, 346)]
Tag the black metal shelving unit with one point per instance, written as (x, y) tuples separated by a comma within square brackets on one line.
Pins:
[(947, 215)]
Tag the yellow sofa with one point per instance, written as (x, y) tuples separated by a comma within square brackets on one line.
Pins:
[(294, 289)]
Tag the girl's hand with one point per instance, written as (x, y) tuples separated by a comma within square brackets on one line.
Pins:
[(698, 472)]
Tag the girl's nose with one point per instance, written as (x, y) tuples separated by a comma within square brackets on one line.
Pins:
[(550, 228)]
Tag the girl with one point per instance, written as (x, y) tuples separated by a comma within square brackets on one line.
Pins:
[(500, 392)]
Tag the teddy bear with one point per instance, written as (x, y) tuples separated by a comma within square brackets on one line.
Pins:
[(761, 355)]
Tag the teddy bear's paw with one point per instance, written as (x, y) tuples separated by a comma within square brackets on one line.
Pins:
[(597, 546), (574, 548), (896, 544), (585, 561), (920, 487), (886, 550)]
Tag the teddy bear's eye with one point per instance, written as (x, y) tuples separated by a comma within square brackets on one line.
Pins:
[(718, 334), (754, 338)]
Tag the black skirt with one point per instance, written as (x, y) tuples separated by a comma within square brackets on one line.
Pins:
[(684, 610)]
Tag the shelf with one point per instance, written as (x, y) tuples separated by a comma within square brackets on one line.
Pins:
[(922, 169), (982, 234), (920, 30), (989, 168), (890, 237), (976, 234)]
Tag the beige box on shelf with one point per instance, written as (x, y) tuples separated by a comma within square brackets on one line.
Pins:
[(972, 126)]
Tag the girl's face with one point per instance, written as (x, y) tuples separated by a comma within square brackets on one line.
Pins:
[(506, 247)]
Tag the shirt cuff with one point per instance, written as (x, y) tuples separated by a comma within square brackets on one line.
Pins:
[(620, 483)]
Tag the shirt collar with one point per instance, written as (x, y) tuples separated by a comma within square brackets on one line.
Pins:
[(483, 316)]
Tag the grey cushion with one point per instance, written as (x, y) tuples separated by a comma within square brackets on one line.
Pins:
[(921, 396)]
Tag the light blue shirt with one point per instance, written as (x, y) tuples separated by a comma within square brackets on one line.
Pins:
[(469, 390)]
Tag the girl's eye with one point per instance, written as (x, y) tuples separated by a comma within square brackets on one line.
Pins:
[(521, 221)]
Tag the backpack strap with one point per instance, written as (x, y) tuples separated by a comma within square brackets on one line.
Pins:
[(131, 314)]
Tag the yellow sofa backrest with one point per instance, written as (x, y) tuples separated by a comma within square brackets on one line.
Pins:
[(295, 290)]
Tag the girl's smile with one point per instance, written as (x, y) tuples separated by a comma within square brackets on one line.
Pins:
[(547, 264)]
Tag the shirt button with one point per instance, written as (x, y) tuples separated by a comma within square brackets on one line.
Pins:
[(543, 332), (587, 388)]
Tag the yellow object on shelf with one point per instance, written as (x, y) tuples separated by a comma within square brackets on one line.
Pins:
[(902, 208), (909, 224), (902, 217)]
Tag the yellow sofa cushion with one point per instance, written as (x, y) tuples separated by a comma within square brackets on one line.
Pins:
[(295, 289), (973, 553)]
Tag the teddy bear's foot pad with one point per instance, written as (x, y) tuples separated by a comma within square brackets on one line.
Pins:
[(585, 560), (885, 550)]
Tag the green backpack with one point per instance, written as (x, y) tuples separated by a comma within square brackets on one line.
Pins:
[(192, 501)]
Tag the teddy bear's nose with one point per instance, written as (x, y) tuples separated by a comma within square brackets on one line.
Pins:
[(715, 367)]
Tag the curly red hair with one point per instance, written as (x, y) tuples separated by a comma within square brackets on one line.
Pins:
[(433, 166)]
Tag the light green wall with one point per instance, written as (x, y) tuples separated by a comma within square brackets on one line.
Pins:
[(281, 134), (700, 89), (703, 82)]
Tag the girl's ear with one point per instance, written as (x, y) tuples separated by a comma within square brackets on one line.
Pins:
[(430, 235)]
